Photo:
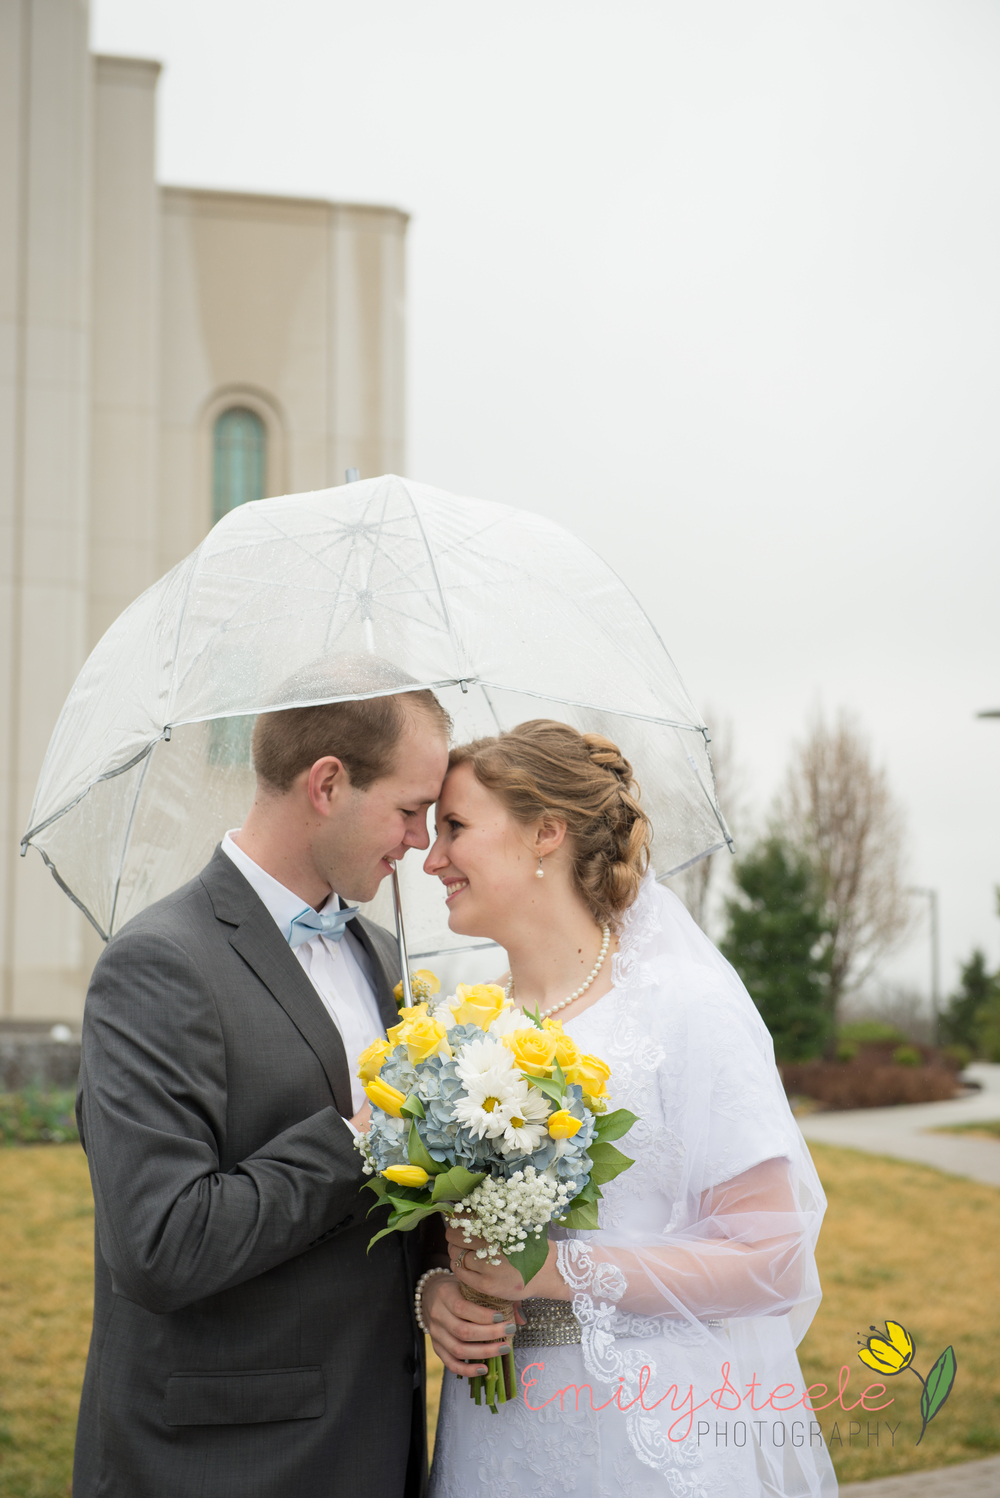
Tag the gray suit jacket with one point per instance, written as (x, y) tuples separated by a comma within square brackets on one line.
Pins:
[(245, 1343)]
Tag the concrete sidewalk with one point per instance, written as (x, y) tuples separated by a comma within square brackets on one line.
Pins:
[(971, 1480), (903, 1132)]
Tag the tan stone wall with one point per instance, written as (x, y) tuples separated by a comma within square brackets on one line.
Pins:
[(131, 316), (294, 308), (44, 394)]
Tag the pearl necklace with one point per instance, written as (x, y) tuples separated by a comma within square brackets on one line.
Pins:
[(554, 1008)]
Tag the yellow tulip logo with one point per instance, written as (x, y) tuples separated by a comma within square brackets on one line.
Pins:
[(892, 1353)]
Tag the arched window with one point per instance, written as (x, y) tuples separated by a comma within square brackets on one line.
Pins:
[(239, 455)]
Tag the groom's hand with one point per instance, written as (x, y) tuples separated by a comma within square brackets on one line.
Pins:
[(462, 1333)]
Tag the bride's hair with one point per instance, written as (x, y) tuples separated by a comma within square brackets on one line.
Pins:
[(583, 779)]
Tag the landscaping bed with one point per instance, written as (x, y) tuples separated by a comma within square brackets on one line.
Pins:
[(875, 1067)]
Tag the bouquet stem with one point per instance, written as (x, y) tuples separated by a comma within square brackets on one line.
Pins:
[(499, 1383)]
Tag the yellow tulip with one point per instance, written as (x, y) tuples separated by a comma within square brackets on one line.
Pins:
[(891, 1353), (423, 985), (407, 1175), (421, 1035), (478, 1004), (562, 1124), (371, 1059), (592, 1075), (534, 1050), (381, 1095)]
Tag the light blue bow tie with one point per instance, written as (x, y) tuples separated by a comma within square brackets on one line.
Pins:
[(310, 923)]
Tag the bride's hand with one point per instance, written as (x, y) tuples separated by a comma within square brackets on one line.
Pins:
[(503, 1280), (462, 1333)]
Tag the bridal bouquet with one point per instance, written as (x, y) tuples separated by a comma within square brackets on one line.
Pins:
[(491, 1116)]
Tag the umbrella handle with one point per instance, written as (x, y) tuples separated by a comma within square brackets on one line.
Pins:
[(404, 961)]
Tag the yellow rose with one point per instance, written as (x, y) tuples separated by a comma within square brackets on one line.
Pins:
[(423, 985), (592, 1075), (566, 1052), (407, 1175), (534, 1050), (381, 1095), (370, 1060), (406, 1016), (421, 1035), (478, 1004), (562, 1124)]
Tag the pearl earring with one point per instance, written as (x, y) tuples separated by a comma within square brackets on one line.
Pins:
[(539, 872)]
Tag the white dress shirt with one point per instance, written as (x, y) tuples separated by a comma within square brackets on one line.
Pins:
[(340, 971)]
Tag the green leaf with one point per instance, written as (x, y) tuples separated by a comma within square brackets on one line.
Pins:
[(420, 1155), (455, 1184), (608, 1163), (405, 1198), (532, 1256), (404, 1223), (613, 1125), (583, 1216), (549, 1085), (937, 1388), (412, 1107), (536, 1018)]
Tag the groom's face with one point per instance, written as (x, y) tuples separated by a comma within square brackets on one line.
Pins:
[(366, 831)]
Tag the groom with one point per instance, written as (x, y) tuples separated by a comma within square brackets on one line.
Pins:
[(245, 1343)]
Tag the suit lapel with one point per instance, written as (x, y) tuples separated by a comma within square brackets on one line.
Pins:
[(384, 978), (275, 965), (260, 944)]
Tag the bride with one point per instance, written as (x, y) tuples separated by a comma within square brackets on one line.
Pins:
[(655, 1355)]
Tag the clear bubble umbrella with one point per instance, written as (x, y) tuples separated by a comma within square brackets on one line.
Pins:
[(346, 593)]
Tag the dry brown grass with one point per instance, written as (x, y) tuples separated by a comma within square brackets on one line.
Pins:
[(911, 1243), (46, 1300), (899, 1240)]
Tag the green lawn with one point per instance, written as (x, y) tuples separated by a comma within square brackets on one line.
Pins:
[(900, 1241)]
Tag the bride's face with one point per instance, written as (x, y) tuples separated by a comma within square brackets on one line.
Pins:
[(481, 855)]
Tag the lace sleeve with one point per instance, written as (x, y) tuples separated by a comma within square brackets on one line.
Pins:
[(745, 1253)]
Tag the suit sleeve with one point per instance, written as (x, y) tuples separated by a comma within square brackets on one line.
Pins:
[(173, 1226)]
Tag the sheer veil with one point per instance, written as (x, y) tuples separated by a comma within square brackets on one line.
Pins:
[(707, 1243)]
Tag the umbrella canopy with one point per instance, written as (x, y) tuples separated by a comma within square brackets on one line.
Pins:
[(332, 595)]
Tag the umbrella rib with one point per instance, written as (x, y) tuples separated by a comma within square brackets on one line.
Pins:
[(125, 839), (434, 572), (108, 775), (621, 712)]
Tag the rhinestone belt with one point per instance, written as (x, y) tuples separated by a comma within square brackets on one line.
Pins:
[(550, 1323)]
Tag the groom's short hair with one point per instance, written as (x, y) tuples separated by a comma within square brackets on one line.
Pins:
[(363, 734)]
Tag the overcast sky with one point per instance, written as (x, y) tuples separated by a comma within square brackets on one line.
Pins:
[(717, 285)]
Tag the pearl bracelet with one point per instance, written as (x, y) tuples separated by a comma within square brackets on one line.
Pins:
[(419, 1291)]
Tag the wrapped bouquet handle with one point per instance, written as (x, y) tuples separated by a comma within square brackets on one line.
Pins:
[(500, 1378)]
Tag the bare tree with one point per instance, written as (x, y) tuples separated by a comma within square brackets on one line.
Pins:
[(837, 807), (697, 885)]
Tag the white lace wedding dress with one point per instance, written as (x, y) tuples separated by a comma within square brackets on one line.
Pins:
[(702, 1271)]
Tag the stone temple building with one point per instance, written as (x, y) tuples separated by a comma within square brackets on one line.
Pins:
[(166, 353)]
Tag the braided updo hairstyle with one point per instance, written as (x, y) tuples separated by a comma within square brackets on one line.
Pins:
[(582, 779)]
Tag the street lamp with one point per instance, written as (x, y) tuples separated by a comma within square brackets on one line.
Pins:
[(931, 896)]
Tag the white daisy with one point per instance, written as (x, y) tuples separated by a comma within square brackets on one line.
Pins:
[(507, 1021), (525, 1122), (488, 1100), (443, 1013), (481, 1056)]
